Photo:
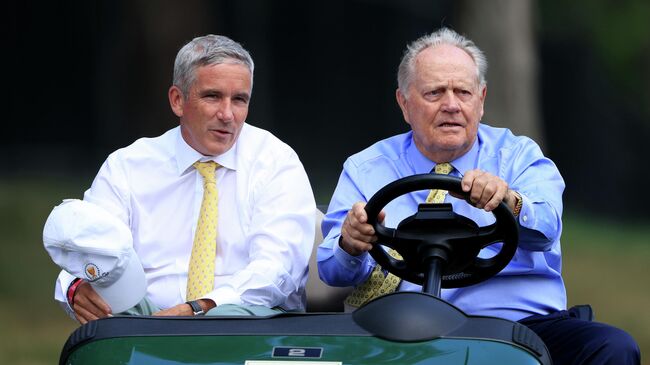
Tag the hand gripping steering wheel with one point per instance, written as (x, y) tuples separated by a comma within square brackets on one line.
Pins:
[(439, 247)]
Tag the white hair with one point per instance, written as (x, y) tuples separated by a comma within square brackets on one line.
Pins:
[(442, 36)]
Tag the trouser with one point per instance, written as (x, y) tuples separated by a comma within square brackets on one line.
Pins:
[(571, 340), (147, 308)]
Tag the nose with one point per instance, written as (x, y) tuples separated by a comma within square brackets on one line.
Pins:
[(225, 113), (450, 102)]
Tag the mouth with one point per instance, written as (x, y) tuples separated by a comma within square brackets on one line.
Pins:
[(450, 125), (220, 132)]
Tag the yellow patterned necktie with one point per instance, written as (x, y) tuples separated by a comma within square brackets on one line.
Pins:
[(200, 276), (378, 283), (437, 195)]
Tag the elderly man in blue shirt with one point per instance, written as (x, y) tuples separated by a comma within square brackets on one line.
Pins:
[(441, 92)]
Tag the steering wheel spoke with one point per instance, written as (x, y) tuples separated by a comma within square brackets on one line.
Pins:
[(488, 235)]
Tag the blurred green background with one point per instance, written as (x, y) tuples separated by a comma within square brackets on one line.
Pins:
[(86, 78)]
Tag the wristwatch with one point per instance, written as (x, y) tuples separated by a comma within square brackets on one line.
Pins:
[(518, 204), (196, 307)]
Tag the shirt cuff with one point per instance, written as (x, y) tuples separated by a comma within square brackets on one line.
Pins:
[(349, 262), (224, 295), (527, 213), (61, 292)]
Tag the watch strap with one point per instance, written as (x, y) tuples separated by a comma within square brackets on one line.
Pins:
[(518, 204), (196, 307)]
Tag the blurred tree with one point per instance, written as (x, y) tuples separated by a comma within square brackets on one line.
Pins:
[(618, 32), (596, 57), (504, 30), (136, 44)]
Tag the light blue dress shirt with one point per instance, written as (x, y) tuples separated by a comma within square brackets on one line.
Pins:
[(532, 281)]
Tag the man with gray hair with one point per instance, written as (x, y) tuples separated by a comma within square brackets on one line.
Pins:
[(221, 212), (441, 92)]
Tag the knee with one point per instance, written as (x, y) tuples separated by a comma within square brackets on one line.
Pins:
[(615, 344), (229, 310)]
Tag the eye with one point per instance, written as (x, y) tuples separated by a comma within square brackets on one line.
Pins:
[(464, 94), (241, 99), (211, 95), (432, 94)]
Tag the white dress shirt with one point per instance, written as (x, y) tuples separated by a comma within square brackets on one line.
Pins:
[(265, 225)]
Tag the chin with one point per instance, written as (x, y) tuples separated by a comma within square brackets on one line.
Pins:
[(220, 149), (451, 144)]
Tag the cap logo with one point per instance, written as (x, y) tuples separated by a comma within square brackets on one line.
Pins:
[(92, 272)]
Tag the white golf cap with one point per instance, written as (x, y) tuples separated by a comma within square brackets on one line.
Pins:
[(90, 243)]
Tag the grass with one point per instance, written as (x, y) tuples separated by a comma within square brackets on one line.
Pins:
[(33, 328), (605, 264)]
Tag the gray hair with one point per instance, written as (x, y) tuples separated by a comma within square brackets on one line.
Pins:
[(204, 51), (442, 36)]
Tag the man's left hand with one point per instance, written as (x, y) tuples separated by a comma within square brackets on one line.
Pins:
[(486, 191), (177, 310), (185, 309)]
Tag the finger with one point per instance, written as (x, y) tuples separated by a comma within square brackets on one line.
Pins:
[(88, 297), (498, 196), (88, 309), (359, 212), (359, 225), (167, 312), (84, 316), (90, 304), (468, 180), (491, 189), (358, 247), (356, 234), (354, 246), (476, 193), (363, 232), (487, 190), (80, 319), (101, 305)]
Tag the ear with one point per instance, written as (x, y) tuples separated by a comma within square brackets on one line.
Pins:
[(483, 95), (402, 101), (176, 100)]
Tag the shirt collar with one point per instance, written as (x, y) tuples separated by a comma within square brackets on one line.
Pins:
[(422, 165), (186, 155)]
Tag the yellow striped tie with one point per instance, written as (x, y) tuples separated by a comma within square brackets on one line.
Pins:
[(200, 276), (379, 284)]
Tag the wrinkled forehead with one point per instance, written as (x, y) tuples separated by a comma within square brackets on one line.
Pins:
[(446, 63)]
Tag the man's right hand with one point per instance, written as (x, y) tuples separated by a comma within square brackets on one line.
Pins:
[(356, 233), (88, 305)]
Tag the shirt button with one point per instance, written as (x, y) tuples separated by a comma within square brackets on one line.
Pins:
[(352, 262), (525, 218)]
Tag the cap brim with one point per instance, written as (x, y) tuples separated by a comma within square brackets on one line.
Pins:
[(128, 290)]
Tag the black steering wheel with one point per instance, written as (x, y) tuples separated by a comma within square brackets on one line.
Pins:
[(439, 247)]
